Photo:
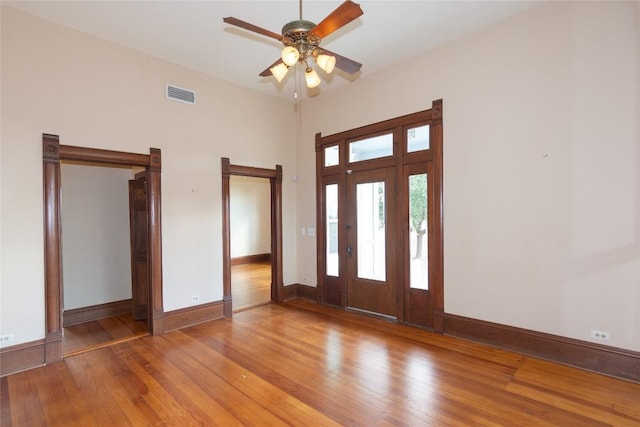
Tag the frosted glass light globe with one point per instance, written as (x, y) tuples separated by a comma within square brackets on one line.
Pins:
[(290, 55)]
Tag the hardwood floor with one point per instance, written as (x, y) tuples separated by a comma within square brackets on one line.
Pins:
[(90, 335), (307, 365), (250, 285)]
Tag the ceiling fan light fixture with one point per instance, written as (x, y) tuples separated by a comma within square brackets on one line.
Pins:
[(279, 71), (326, 62), (301, 40), (311, 77), (290, 55)]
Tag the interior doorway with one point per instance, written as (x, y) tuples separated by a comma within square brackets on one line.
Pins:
[(275, 228), (250, 223), (53, 154), (104, 255)]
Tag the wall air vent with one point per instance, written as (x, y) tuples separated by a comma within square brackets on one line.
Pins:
[(180, 94)]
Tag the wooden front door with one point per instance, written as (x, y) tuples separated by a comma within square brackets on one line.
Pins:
[(371, 241), (139, 246)]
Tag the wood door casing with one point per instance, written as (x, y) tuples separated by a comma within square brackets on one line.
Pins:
[(333, 165), (275, 180), (52, 153), (375, 295), (139, 246)]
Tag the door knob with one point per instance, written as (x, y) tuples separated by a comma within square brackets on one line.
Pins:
[(349, 250)]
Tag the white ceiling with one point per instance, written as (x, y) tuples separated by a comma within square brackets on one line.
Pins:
[(191, 33)]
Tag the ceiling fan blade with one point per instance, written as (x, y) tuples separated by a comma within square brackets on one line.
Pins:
[(267, 72), (345, 13), (242, 24), (347, 65)]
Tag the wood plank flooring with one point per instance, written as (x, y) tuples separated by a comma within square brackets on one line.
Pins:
[(250, 285), (302, 364)]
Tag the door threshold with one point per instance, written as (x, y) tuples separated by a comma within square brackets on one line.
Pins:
[(372, 313), (249, 307)]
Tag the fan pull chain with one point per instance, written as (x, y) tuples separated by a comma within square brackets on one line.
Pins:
[(296, 82), (298, 104)]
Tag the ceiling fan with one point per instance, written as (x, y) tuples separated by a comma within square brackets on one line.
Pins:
[(301, 41)]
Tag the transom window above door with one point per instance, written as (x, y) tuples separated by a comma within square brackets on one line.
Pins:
[(417, 138), (371, 148)]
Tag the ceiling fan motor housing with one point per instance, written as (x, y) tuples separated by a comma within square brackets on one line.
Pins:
[(297, 34)]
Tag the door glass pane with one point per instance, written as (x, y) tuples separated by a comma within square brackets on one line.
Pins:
[(331, 224), (418, 138), (331, 156), (418, 239), (371, 230), (371, 148)]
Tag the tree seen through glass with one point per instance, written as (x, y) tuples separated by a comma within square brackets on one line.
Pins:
[(418, 245)]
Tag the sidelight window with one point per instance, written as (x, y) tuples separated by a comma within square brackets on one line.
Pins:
[(331, 224), (418, 232)]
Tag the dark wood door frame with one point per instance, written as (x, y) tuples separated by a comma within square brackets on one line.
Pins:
[(331, 290), (275, 180), (52, 154)]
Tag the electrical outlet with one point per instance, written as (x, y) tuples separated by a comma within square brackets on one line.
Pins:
[(195, 298), (600, 335), (4, 339)]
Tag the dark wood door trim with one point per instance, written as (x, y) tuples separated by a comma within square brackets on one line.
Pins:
[(275, 180), (138, 241), (52, 154), (437, 289), (329, 288)]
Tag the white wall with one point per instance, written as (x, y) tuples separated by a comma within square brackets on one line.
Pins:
[(96, 94), (541, 166), (250, 212), (96, 252)]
